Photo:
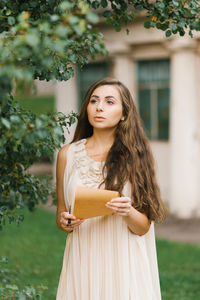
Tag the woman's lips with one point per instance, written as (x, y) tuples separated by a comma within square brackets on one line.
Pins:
[(99, 118)]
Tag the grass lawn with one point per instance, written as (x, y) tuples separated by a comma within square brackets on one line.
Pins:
[(37, 104), (179, 268), (35, 250)]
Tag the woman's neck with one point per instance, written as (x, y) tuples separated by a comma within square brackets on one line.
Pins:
[(101, 139)]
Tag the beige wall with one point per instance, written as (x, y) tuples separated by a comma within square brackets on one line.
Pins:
[(45, 87), (178, 160), (161, 151)]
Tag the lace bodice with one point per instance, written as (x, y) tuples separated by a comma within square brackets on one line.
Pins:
[(90, 171)]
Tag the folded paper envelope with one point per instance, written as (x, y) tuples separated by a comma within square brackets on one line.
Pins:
[(90, 202)]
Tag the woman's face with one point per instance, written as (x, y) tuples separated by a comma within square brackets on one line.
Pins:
[(105, 107)]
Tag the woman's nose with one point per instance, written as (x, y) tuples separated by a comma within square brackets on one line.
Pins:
[(99, 106)]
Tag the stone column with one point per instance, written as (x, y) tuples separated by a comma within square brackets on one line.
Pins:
[(184, 195), (67, 101), (124, 71)]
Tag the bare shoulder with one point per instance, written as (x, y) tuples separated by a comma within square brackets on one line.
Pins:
[(62, 152), (61, 157), (61, 160)]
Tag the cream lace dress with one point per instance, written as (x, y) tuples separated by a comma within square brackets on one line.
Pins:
[(103, 259)]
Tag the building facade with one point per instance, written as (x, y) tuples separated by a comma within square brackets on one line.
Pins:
[(163, 75)]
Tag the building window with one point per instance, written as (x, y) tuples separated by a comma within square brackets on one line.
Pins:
[(153, 78), (88, 75)]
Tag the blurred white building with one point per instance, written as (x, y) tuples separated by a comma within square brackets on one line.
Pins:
[(163, 75)]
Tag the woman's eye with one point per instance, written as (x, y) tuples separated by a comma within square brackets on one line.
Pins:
[(93, 101), (110, 102)]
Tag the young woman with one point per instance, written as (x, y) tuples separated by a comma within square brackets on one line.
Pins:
[(109, 257)]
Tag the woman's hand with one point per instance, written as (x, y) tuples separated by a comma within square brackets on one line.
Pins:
[(121, 205), (63, 222), (137, 222)]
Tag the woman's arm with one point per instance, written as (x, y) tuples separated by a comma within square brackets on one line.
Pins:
[(137, 222), (62, 215)]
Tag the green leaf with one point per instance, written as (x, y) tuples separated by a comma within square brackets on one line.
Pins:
[(92, 17), (73, 20), (147, 24), (84, 7), (168, 33), (182, 32), (107, 14), (15, 119), (162, 26), (38, 123), (97, 47), (181, 23), (32, 39), (175, 3), (11, 21), (193, 11), (5, 122), (18, 134), (190, 33), (54, 18), (45, 27), (61, 31), (12, 287), (95, 4), (104, 3), (78, 30), (82, 25), (65, 5), (58, 131), (162, 5), (139, 7), (173, 26), (73, 58), (117, 27), (8, 12), (159, 5)]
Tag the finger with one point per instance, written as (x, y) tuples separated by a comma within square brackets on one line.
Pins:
[(69, 216), (113, 208), (68, 220), (118, 210), (73, 223), (123, 214), (120, 199), (77, 222), (110, 206), (70, 228), (122, 205), (66, 228), (65, 222)]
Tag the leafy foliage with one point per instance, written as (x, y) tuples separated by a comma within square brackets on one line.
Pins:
[(43, 40), (174, 16), (25, 138), (10, 290)]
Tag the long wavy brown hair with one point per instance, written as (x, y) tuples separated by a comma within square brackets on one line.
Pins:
[(130, 157)]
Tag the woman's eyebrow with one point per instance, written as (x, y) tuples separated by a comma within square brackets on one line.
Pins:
[(110, 97), (95, 96)]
